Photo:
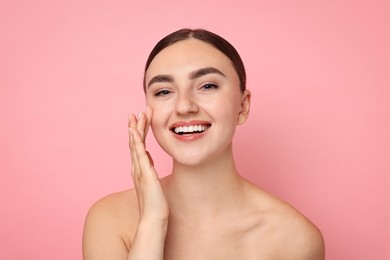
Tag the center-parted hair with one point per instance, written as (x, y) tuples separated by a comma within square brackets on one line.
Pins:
[(206, 36)]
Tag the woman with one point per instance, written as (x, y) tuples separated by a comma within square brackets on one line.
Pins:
[(195, 88)]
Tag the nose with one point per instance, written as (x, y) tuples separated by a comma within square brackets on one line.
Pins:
[(186, 104)]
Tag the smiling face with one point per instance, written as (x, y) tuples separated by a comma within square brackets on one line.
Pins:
[(194, 92)]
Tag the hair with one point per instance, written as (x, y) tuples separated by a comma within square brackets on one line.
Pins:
[(206, 36)]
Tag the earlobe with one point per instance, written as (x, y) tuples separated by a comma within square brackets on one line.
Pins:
[(245, 107)]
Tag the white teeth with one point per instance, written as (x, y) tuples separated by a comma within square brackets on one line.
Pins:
[(190, 129)]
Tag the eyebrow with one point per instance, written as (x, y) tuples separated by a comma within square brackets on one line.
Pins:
[(161, 78), (205, 71), (193, 75)]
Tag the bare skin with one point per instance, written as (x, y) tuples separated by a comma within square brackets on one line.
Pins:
[(204, 209)]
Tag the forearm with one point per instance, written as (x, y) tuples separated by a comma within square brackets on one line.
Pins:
[(149, 240)]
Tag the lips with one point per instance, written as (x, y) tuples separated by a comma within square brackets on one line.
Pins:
[(189, 128), (192, 129)]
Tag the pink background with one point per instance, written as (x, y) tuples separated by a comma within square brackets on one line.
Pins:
[(318, 133)]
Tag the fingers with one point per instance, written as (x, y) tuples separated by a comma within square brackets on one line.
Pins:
[(144, 119), (132, 121), (134, 160), (148, 115), (138, 128), (132, 124), (141, 123), (144, 162)]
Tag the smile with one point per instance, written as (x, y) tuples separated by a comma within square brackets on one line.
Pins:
[(191, 129)]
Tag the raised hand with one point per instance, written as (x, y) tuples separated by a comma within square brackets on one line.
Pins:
[(152, 202)]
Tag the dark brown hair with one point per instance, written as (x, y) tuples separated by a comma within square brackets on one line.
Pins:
[(206, 36)]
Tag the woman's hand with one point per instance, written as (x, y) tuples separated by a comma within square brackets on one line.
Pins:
[(153, 205)]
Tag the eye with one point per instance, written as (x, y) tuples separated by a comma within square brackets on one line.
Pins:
[(209, 86), (162, 92)]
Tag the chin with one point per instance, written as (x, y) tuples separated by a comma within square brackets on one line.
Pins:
[(190, 158), (190, 161)]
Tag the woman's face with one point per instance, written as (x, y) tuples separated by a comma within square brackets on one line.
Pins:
[(194, 93)]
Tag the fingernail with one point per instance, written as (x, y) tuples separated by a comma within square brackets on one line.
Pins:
[(139, 115)]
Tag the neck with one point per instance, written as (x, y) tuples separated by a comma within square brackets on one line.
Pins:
[(204, 190)]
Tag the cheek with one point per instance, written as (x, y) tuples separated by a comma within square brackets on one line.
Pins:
[(228, 111), (159, 118), (155, 111), (157, 129), (155, 122)]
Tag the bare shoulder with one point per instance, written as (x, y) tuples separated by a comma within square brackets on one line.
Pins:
[(115, 204), (111, 222), (293, 236), (300, 238)]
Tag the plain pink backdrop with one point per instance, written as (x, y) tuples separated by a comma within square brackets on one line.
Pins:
[(318, 133)]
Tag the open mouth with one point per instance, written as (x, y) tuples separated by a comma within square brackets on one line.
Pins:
[(191, 129)]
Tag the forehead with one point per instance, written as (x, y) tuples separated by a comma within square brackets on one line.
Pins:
[(188, 55)]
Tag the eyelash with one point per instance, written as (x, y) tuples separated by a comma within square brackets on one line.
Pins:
[(206, 87), (162, 92), (209, 86)]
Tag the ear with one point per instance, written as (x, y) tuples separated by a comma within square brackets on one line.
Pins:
[(245, 107)]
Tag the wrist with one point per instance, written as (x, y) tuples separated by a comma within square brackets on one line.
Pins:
[(153, 225), (149, 240)]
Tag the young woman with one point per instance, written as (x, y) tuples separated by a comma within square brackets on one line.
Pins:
[(196, 97)]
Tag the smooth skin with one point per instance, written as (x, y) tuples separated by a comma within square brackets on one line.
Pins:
[(204, 209)]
